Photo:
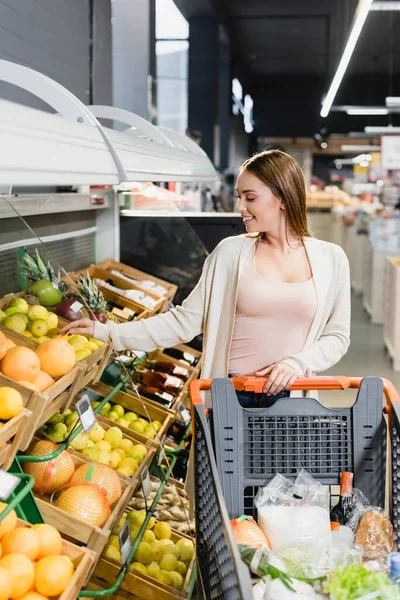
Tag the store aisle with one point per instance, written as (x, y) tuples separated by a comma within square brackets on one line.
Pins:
[(366, 356)]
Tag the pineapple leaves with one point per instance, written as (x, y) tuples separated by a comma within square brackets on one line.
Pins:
[(34, 268)]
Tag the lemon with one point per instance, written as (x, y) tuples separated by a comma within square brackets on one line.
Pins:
[(113, 436), (119, 410), (163, 531), (152, 569), (163, 577), (52, 321), (144, 554), (104, 457), (127, 471), (38, 312), (181, 568), (149, 537), (15, 323), (158, 550), (130, 463), (186, 549), (96, 433), (168, 562), (20, 304), (157, 425), (115, 459), (140, 449), (27, 334), (91, 346), (139, 567), (78, 342), (112, 552), (103, 446), (137, 426), (113, 540), (11, 403), (39, 327), (82, 354), (176, 580), (97, 342)]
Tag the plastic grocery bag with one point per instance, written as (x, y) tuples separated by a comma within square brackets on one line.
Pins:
[(294, 514)]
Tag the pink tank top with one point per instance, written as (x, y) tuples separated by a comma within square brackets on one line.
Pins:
[(272, 320)]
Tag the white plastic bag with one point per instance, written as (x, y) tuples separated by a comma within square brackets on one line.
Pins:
[(294, 515)]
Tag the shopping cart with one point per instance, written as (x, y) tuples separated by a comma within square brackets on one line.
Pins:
[(252, 445)]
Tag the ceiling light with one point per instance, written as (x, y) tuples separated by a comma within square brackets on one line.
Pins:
[(360, 17), (324, 145), (343, 161), (367, 148), (382, 130), (362, 159), (385, 6), (367, 111), (393, 101)]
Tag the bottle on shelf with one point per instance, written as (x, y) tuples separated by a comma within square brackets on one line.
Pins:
[(152, 393), (344, 509), (163, 382), (167, 367), (186, 357)]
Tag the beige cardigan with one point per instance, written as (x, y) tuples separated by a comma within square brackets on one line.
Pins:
[(210, 309)]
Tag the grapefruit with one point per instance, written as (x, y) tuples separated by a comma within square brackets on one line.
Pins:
[(9, 522), (20, 363), (87, 502), (22, 540), (53, 574), (50, 475), (43, 381), (22, 573), (9, 344), (11, 403), (3, 345), (101, 475), (50, 540), (56, 357), (5, 584)]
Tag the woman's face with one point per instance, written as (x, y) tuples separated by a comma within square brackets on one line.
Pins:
[(261, 211)]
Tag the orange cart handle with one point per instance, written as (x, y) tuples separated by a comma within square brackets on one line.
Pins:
[(339, 382)]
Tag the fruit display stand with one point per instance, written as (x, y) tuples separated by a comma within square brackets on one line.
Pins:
[(11, 436), (112, 265), (147, 409)]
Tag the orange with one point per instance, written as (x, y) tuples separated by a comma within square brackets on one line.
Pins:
[(43, 381), (53, 574), (22, 573), (23, 540), (32, 596), (20, 363), (57, 357), (9, 522), (11, 403), (9, 344), (3, 345), (5, 584), (50, 540)]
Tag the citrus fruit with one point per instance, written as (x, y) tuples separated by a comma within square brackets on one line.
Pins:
[(21, 540), (112, 552), (27, 334), (5, 584), (38, 312), (130, 463), (15, 323), (152, 569), (168, 562), (9, 522), (11, 403), (139, 567), (53, 574), (163, 577), (97, 433), (3, 345), (32, 596), (102, 446), (50, 540), (176, 580), (82, 354), (49, 475), (162, 531), (113, 436), (86, 502), (78, 342), (186, 549), (137, 426), (181, 568), (9, 344), (22, 573), (126, 445), (52, 321), (148, 537), (140, 449), (144, 553), (19, 303), (56, 357), (39, 327), (12, 310), (20, 363), (101, 475), (43, 381)]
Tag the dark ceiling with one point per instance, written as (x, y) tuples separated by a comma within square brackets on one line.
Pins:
[(285, 53)]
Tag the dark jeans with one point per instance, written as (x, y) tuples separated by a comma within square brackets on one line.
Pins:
[(251, 400)]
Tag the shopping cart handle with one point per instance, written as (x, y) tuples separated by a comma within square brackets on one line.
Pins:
[(256, 385)]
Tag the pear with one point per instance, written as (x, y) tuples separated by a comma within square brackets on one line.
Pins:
[(57, 433)]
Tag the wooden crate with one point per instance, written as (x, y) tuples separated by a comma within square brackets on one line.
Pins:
[(83, 560), (145, 588), (95, 538), (112, 265), (11, 435), (145, 408)]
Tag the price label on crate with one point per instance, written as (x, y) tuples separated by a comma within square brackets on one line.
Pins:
[(125, 541), (184, 413), (161, 451), (8, 484), (85, 412), (146, 482)]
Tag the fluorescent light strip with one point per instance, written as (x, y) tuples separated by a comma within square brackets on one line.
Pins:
[(361, 15), (385, 6), (393, 101), (360, 148), (367, 111), (382, 130)]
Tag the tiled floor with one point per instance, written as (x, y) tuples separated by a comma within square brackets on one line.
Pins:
[(366, 356)]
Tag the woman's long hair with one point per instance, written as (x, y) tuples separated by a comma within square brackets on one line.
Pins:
[(283, 176)]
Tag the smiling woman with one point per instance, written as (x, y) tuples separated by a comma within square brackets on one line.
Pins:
[(273, 303)]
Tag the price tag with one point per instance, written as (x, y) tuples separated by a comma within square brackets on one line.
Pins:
[(76, 306), (8, 483), (146, 482), (184, 413), (125, 542), (86, 414), (161, 451)]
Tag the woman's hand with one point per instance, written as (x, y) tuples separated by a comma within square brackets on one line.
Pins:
[(82, 327), (281, 377)]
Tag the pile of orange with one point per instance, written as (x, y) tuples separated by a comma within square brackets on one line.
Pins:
[(36, 370), (31, 564)]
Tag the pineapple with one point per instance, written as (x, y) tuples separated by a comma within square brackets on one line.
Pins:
[(93, 297), (36, 269)]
